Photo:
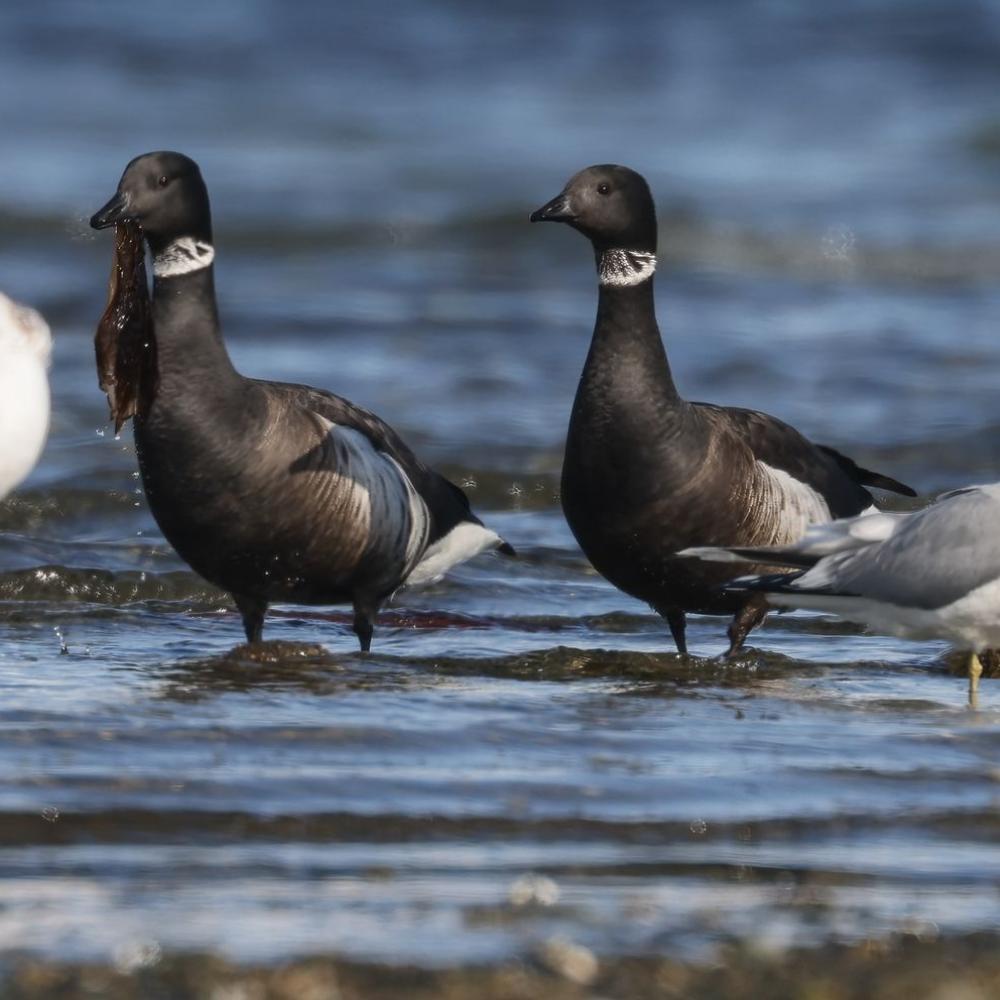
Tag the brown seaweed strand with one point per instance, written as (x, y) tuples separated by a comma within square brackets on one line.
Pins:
[(124, 342)]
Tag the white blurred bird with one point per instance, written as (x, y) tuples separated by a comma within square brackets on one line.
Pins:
[(25, 345)]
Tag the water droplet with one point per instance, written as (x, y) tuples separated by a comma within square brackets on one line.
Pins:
[(63, 648), (698, 826)]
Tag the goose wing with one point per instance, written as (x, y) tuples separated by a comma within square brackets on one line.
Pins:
[(812, 468), (454, 532)]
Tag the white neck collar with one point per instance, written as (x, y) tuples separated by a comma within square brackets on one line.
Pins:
[(621, 268), (184, 255)]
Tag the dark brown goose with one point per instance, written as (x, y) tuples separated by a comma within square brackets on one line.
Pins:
[(271, 491), (647, 473)]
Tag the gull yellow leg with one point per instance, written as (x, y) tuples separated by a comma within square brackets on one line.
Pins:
[(975, 672)]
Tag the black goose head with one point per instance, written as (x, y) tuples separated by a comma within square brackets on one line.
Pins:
[(165, 194), (610, 205)]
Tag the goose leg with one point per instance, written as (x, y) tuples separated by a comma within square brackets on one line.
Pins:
[(253, 610), (678, 623), (364, 628), (747, 618), (975, 672)]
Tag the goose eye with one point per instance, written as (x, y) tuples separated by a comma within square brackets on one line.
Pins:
[(603, 188), (163, 181)]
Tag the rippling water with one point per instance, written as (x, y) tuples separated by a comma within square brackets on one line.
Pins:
[(522, 757)]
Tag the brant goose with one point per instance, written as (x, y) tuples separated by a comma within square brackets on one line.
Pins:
[(25, 344), (271, 491), (647, 473), (930, 574)]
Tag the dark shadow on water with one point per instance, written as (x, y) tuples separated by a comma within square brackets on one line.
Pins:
[(276, 665), (188, 825), (881, 968), (814, 625), (314, 668), (566, 663)]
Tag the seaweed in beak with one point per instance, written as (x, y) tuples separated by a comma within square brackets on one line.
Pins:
[(124, 343)]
